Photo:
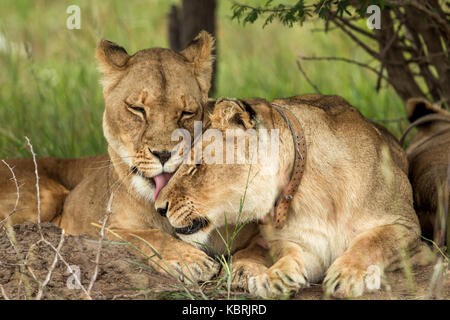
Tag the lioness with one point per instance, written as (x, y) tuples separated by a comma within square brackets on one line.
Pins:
[(429, 165), (351, 218), (147, 96)]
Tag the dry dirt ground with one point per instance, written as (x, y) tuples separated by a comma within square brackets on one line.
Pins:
[(25, 263)]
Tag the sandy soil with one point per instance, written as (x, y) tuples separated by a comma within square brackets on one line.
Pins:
[(25, 262)]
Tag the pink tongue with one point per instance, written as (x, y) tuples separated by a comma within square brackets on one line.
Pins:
[(160, 181)]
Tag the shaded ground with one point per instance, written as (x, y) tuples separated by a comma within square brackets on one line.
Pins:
[(25, 263), (396, 286), (121, 272)]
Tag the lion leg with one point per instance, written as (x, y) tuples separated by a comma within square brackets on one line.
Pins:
[(21, 208), (169, 255), (290, 272), (360, 268), (249, 261)]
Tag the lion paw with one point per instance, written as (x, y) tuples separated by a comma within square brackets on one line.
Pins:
[(279, 281), (346, 279), (192, 265), (242, 271)]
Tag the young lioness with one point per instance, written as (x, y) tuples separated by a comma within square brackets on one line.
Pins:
[(351, 218), (147, 96)]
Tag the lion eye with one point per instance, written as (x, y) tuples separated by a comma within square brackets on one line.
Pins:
[(137, 110), (187, 114)]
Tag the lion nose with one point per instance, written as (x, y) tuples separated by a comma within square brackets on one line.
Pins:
[(163, 156), (163, 210)]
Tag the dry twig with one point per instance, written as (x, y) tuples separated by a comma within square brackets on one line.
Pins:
[(14, 210), (57, 252), (38, 192), (52, 267), (100, 243), (2, 291)]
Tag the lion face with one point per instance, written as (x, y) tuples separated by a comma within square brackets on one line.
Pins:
[(147, 96), (202, 198)]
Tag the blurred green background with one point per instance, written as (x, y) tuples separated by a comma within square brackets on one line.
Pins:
[(53, 95)]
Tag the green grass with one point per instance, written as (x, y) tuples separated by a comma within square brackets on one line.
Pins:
[(54, 96)]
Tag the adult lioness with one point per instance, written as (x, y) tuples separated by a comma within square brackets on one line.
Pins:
[(351, 217), (429, 169), (147, 96)]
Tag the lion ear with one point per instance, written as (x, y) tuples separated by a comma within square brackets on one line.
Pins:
[(111, 59), (419, 107), (199, 54), (111, 56), (231, 113)]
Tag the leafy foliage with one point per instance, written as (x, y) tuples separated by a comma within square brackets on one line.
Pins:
[(289, 15)]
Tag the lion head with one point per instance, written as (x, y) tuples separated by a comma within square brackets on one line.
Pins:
[(223, 187), (147, 96)]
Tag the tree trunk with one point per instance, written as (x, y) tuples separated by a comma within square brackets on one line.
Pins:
[(394, 60), (413, 47), (186, 22)]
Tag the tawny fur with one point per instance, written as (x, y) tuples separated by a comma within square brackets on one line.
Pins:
[(353, 209), (429, 158), (75, 193)]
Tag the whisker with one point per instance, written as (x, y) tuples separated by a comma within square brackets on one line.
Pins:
[(114, 159), (108, 166)]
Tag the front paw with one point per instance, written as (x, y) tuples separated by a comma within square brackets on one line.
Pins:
[(187, 264), (243, 270), (280, 281), (346, 278)]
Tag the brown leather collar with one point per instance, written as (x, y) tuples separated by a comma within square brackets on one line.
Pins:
[(282, 205), (281, 208)]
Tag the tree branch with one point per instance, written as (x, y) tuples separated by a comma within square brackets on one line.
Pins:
[(347, 23), (356, 40), (307, 78), (364, 65)]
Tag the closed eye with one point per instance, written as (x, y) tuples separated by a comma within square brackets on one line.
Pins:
[(187, 114), (136, 110)]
